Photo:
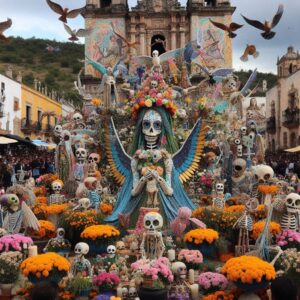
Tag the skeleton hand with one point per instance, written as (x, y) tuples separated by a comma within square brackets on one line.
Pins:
[(163, 184), (141, 183)]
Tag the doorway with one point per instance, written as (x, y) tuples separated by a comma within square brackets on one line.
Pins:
[(158, 42)]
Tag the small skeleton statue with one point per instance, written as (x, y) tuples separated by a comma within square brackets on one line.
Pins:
[(93, 161), (81, 266), (152, 246), (111, 257), (244, 224), (17, 214), (132, 293), (290, 209), (219, 200), (57, 197), (81, 167), (59, 243), (83, 205), (92, 193)]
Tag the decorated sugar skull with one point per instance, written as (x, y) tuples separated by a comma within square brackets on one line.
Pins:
[(132, 293), (57, 186), (243, 130), (83, 204), (292, 202), (81, 249), (153, 221), (81, 154), (58, 130), (239, 167), (220, 187), (152, 123), (111, 250), (94, 158), (77, 117), (10, 201), (179, 270), (263, 173), (60, 234)]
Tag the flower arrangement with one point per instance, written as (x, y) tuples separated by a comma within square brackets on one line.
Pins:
[(258, 227), (46, 180), (14, 242), (100, 232), (199, 236), (219, 295), (149, 96), (191, 258), (248, 269), (49, 265), (47, 230), (155, 274), (9, 267), (106, 208), (289, 239), (106, 281), (267, 189), (54, 209), (211, 282), (40, 191), (41, 199)]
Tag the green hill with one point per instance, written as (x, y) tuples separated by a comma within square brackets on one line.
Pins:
[(57, 70)]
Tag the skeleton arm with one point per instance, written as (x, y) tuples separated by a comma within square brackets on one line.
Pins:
[(142, 247), (138, 183), (162, 248)]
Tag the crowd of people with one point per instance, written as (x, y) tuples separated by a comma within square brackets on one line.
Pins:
[(20, 163)]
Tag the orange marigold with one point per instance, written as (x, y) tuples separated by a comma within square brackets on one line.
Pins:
[(47, 230), (219, 295), (106, 208), (100, 232), (268, 189), (274, 229), (198, 236)]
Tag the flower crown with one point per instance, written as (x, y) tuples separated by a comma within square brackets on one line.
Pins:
[(154, 92)]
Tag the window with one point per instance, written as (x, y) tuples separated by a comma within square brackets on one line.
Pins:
[(28, 112), (55, 120), (293, 140), (273, 111), (291, 69), (210, 2), (105, 3), (39, 116), (2, 93)]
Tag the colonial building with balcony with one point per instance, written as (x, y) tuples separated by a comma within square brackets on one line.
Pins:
[(282, 106)]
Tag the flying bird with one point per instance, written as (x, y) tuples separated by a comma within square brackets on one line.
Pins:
[(64, 13), (4, 26), (75, 34), (250, 50), (228, 28), (128, 44), (267, 26)]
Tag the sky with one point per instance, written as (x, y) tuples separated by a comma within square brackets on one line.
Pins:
[(35, 18)]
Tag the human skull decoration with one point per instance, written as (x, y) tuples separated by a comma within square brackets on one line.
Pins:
[(243, 130), (57, 186), (83, 204), (154, 84), (10, 201), (220, 188), (60, 233), (58, 130), (152, 123), (94, 158), (81, 249), (111, 251), (179, 270), (132, 293), (251, 204), (263, 173), (81, 154), (292, 202), (77, 118), (239, 167), (124, 293), (153, 221)]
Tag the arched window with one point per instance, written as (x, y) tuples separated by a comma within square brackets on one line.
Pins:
[(158, 42), (291, 69)]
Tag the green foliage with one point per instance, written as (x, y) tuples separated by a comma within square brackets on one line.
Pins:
[(77, 285)]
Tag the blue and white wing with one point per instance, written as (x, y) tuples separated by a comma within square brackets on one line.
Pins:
[(171, 54), (186, 160), (97, 66), (118, 159), (249, 82), (222, 72)]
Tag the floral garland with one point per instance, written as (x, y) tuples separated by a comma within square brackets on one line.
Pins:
[(198, 236), (274, 229), (99, 232), (248, 269)]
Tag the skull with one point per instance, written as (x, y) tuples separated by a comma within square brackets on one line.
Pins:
[(60, 234), (154, 84), (111, 250), (56, 186), (239, 150), (239, 167), (155, 53), (81, 249), (153, 221), (94, 158), (120, 246), (292, 202), (132, 292), (124, 293), (243, 130), (263, 173), (65, 135), (179, 270), (220, 188), (81, 154), (77, 117), (13, 201), (251, 204), (152, 127), (83, 204), (58, 130)]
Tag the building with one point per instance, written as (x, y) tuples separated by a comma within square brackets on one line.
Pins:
[(282, 107), (67, 108), (10, 104), (39, 114), (161, 25)]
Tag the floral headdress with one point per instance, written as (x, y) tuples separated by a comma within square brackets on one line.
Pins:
[(154, 92)]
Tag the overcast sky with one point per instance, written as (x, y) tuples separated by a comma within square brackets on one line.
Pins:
[(34, 18)]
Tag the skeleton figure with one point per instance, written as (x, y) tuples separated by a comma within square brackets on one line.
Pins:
[(83, 205), (91, 184), (17, 214), (78, 122), (241, 181), (132, 293), (93, 161), (59, 241), (152, 128), (111, 257), (58, 130), (152, 245), (80, 171), (244, 224), (219, 200), (56, 198), (81, 266), (179, 288)]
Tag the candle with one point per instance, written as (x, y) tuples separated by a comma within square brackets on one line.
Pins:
[(195, 291), (171, 255), (191, 276), (32, 251), (119, 292)]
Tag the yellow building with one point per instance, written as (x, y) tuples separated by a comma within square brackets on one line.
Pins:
[(39, 114)]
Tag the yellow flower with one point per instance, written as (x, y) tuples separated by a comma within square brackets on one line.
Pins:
[(96, 102), (201, 101), (99, 232), (148, 103), (188, 100), (198, 236)]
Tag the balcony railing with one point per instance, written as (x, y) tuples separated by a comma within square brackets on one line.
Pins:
[(291, 118), (271, 125), (27, 125)]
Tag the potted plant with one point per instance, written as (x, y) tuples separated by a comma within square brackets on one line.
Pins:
[(156, 276), (98, 237), (258, 228), (193, 260), (49, 266), (53, 212), (14, 242), (80, 286), (107, 283), (9, 270), (211, 282), (289, 239)]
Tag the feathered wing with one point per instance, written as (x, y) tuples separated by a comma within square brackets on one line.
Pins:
[(255, 23), (171, 54), (278, 15), (29, 219), (68, 29), (83, 32), (186, 159), (97, 66), (223, 72), (118, 159), (219, 25), (249, 82), (141, 61), (5, 25), (74, 13), (55, 7), (235, 26)]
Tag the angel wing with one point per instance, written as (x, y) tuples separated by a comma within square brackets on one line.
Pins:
[(171, 54), (118, 159), (74, 13), (141, 61), (187, 158), (5, 25), (97, 66), (29, 219), (255, 23), (278, 15), (68, 29), (249, 82), (55, 7)]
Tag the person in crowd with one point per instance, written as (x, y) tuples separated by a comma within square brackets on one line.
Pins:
[(282, 288)]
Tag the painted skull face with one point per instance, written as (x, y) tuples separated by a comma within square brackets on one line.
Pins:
[(292, 203), (77, 117), (152, 124), (81, 154), (58, 130), (154, 84), (56, 187), (94, 158), (81, 249), (153, 221)]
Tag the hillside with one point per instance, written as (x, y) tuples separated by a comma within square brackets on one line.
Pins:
[(57, 70)]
